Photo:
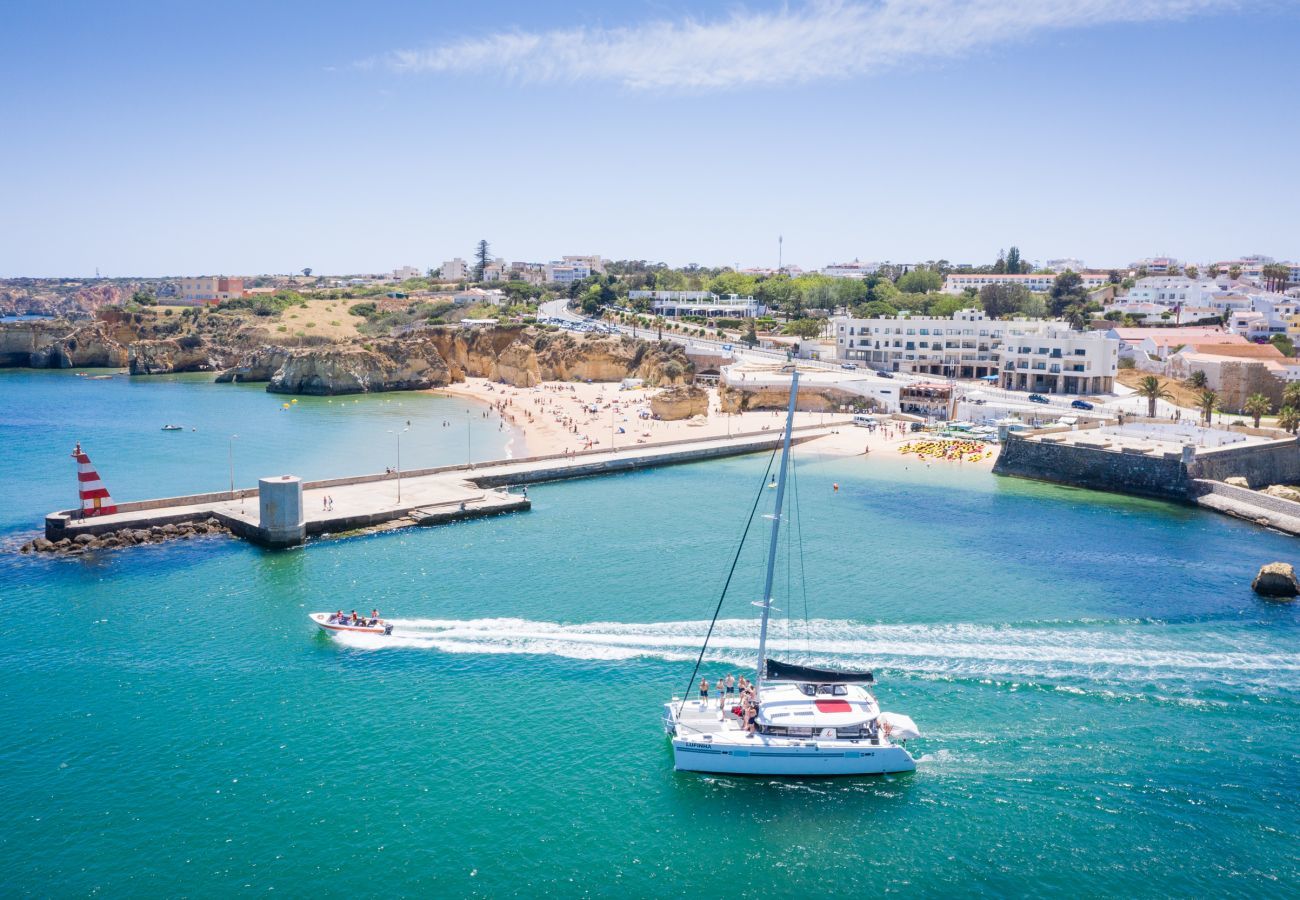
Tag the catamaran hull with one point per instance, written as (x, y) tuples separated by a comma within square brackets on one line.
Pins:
[(806, 759)]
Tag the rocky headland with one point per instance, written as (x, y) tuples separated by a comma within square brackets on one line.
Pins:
[(242, 348)]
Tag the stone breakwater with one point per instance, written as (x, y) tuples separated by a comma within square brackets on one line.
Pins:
[(124, 537)]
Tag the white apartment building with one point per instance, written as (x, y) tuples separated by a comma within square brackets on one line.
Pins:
[(1252, 268), (564, 272), (700, 303), (454, 270), (496, 270), (853, 269), (1027, 355), (592, 263), (1156, 265), (957, 282), (406, 272), (1068, 263)]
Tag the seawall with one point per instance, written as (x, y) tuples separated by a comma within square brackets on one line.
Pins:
[(1164, 477), (1164, 474)]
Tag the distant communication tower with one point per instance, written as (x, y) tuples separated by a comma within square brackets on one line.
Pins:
[(780, 254)]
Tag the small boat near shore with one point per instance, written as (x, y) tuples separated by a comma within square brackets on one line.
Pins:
[(332, 622), (173, 428)]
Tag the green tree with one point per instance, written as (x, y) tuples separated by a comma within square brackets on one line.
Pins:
[(1234, 272), (751, 335), (1207, 401), (1291, 394), (1151, 388), (805, 328), (1284, 343), (481, 256), (1001, 300), (1275, 277), (1077, 317), (1288, 419), (875, 309), (1066, 291), (920, 281), (144, 298), (1212, 271), (1014, 265), (1197, 380), (1257, 406), (1192, 272)]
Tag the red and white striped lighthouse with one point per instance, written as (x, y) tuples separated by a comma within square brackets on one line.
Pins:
[(94, 496)]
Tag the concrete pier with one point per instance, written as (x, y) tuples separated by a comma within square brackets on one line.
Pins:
[(284, 510)]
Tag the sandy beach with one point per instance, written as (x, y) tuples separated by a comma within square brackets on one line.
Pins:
[(557, 417)]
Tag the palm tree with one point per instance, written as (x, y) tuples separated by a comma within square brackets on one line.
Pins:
[(1257, 406), (1151, 388), (1288, 419), (1291, 395), (1197, 380), (1207, 403)]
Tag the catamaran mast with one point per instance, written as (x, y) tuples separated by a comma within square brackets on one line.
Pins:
[(776, 528)]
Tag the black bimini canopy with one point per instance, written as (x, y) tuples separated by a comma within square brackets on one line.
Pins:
[(779, 671)]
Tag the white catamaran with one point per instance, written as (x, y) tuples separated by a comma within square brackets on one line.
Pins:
[(803, 721)]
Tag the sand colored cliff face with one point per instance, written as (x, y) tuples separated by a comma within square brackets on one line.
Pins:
[(680, 402), (525, 357), (811, 399), (389, 366)]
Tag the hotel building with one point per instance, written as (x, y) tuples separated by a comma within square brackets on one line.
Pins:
[(1025, 355)]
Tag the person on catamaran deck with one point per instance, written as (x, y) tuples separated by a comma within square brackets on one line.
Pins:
[(731, 684), (704, 689)]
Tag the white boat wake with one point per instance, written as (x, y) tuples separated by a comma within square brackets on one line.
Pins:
[(1124, 652)]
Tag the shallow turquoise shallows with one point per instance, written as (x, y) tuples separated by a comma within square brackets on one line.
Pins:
[(1107, 708)]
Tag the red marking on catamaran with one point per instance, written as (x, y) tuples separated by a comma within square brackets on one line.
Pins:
[(94, 496)]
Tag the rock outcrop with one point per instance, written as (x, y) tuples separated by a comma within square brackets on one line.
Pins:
[(680, 402), (124, 537), (60, 345), (257, 365), (385, 366), (1276, 580), (160, 357), (523, 357), (1280, 491), (734, 398)]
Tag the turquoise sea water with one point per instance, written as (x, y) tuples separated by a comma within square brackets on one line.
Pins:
[(1108, 709)]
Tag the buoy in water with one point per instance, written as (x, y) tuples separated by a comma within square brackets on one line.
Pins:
[(836, 486)]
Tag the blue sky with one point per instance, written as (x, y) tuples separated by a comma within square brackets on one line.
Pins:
[(264, 137)]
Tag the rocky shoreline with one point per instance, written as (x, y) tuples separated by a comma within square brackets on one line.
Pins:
[(124, 537), (241, 350)]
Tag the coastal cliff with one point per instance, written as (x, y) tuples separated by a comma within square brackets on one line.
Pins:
[(524, 357), (60, 344), (242, 349), (407, 365), (735, 399)]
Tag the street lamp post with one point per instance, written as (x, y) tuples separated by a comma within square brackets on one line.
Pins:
[(230, 461), (469, 456), (399, 434)]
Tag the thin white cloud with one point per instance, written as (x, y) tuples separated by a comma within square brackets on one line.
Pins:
[(823, 39)]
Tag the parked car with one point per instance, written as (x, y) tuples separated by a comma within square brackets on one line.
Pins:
[(1038, 398), (1081, 404), (883, 374), (848, 367)]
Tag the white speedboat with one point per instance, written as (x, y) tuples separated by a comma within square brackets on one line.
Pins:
[(332, 622), (800, 721)]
